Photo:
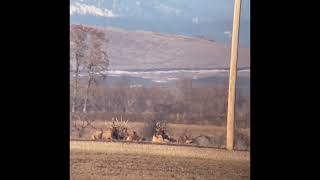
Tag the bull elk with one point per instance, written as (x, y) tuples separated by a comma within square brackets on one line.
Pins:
[(160, 136), (117, 130), (82, 123)]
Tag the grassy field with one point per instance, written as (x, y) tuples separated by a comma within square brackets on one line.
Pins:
[(111, 160)]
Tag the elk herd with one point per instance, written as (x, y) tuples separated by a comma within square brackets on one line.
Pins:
[(156, 132), (119, 130)]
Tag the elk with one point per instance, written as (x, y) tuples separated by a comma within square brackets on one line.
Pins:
[(160, 136), (157, 138), (97, 135), (117, 130), (185, 138), (134, 137), (81, 125)]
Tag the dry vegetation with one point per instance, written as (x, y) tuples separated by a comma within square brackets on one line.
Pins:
[(110, 160)]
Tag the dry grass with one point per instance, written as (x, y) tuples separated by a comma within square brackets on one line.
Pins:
[(102, 160), (155, 149)]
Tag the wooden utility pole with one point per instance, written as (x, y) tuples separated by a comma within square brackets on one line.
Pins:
[(233, 75)]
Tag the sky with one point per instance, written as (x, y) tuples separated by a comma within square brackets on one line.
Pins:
[(207, 18)]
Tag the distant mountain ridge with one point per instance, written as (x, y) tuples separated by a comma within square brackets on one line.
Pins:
[(209, 18), (142, 50)]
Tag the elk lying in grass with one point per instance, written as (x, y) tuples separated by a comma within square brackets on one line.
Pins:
[(160, 136), (117, 130), (80, 123), (185, 137), (134, 137), (97, 135)]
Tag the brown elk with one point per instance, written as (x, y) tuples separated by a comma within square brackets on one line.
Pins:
[(81, 123), (157, 138), (100, 134), (160, 136), (134, 137), (97, 135), (185, 138), (117, 130)]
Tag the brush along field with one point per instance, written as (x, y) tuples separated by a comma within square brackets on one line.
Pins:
[(116, 160)]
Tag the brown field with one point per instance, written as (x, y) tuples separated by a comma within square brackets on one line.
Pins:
[(114, 160), (117, 160)]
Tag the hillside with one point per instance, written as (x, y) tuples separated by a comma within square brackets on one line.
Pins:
[(141, 50)]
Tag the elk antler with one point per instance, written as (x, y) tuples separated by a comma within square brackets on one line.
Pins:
[(112, 121), (125, 123)]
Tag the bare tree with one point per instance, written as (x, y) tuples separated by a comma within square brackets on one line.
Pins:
[(88, 54), (78, 48), (97, 61), (186, 87)]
